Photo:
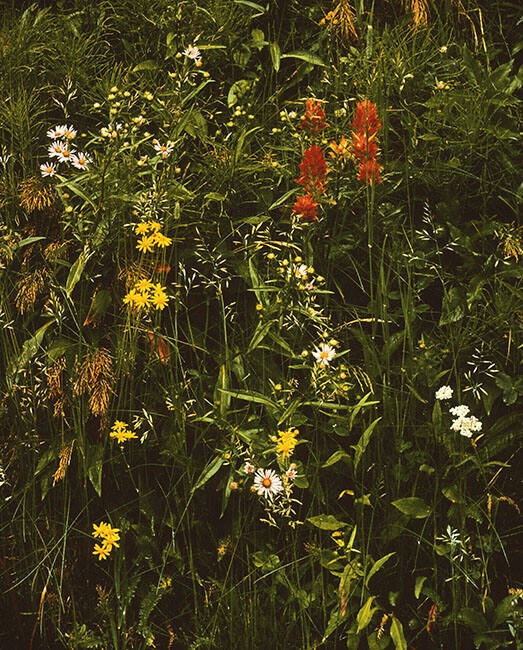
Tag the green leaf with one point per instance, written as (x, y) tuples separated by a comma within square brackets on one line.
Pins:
[(419, 585), (452, 308), (363, 442), (326, 522), (473, 619), (274, 49), (76, 270), (252, 396), (95, 455), (150, 64), (365, 614), (396, 634), (253, 5), (237, 90), (377, 644), (335, 620), (29, 349), (314, 59), (336, 457), (413, 507), (377, 566), (208, 472)]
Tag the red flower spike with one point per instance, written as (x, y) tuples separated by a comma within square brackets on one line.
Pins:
[(366, 125), (369, 172), (366, 119), (314, 118), (313, 170), (306, 208)]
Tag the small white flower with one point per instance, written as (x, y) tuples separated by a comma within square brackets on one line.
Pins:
[(300, 272), (292, 115), (460, 411), (55, 149), (48, 169), (66, 154), (80, 160), (267, 483), (443, 49), (291, 473), (324, 354), (192, 52), (248, 468), (445, 392), (56, 132), (164, 150), (69, 132)]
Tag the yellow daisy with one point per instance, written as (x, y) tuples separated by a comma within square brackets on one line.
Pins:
[(102, 551), (142, 228), (145, 244), (155, 226), (143, 285), (159, 299), (161, 240)]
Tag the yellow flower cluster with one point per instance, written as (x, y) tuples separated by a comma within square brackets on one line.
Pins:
[(120, 431), (146, 294), (151, 236), (285, 442), (109, 537)]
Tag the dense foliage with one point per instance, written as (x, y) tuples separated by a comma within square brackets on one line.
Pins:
[(260, 309)]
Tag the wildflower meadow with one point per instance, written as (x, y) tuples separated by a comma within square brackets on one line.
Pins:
[(260, 324)]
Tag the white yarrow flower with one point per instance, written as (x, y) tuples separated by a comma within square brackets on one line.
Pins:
[(460, 411), (48, 169), (445, 392), (324, 354), (192, 52), (267, 483)]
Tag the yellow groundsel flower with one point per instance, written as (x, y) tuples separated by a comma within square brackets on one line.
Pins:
[(142, 300), (99, 530), (145, 244), (102, 551), (129, 297), (155, 226), (161, 240), (119, 426), (143, 285), (142, 228), (159, 299), (286, 442)]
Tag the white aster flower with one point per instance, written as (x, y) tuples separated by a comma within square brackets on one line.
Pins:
[(445, 392), (248, 468), (291, 473), (56, 132), (48, 169), (69, 132), (55, 149), (460, 411), (324, 354), (66, 154), (192, 52), (80, 160), (300, 272), (164, 150), (267, 483)]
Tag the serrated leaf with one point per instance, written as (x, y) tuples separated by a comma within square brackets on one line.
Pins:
[(413, 507), (396, 634), (326, 522)]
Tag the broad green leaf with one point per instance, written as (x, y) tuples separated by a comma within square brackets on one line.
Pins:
[(396, 634), (76, 270), (377, 566), (378, 644), (326, 522), (504, 611), (363, 442), (413, 507), (336, 457), (149, 64), (314, 59), (208, 472), (237, 91), (260, 333), (29, 349), (364, 401), (365, 614), (282, 199), (253, 5), (473, 619), (419, 585), (95, 455), (274, 49), (335, 620)]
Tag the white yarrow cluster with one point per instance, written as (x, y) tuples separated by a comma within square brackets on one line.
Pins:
[(466, 425), (445, 392)]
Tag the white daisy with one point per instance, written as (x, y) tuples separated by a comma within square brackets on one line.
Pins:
[(164, 149), (80, 160), (56, 132), (54, 150), (48, 169), (267, 483), (445, 392), (324, 354), (66, 154), (69, 132), (248, 468), (291, 473), (192, 52), (300, 272)]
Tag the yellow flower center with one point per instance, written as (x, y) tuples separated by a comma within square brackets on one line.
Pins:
[(267, 482)]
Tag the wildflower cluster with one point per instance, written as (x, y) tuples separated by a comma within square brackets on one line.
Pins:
[(109, 537), (120, 431), (314, 118), (365, 127), (313, 178), (146, 294), (464, 423), (286, 442), (60, 148), (151, 236)]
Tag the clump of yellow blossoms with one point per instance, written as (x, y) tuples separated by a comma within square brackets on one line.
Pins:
[(285, 442), (109, 537), (120, 431), (151, 236), (145, 294)]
